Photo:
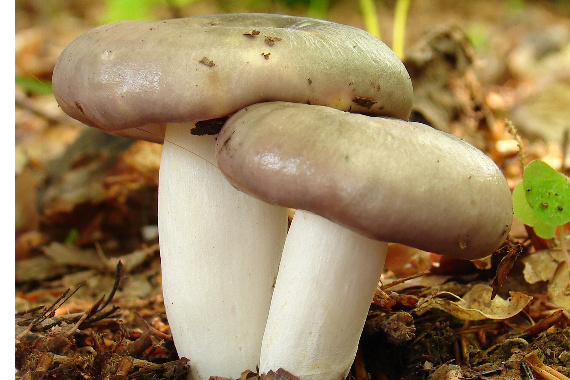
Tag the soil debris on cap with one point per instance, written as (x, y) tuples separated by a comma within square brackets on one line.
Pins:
[(207, 62), (364, 102), (253, 33), (271, 40), (208, 127)]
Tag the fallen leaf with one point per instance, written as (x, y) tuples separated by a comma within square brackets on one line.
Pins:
[(541, 265), (38, 268), (559, 286), (136, 258), (447, 372), (71, 255), (505, 266), (477, 304)]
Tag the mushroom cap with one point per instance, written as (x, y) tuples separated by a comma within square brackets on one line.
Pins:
[(388, 179), (130, 74)]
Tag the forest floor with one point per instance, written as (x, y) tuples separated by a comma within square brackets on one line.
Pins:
[(86, 201)]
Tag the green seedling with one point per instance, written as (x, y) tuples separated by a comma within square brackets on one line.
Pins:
[(368, 10), (71, 237), (399, 30), (547, 193), (525, 214), (542, 199)]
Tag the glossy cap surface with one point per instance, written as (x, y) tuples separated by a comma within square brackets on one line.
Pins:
[(131, 74), (387, 179)]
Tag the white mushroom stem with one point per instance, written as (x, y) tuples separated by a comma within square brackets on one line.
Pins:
[(220, 251), (327, 279)]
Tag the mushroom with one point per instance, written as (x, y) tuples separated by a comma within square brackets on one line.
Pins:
[(152, 80), (363, 181)]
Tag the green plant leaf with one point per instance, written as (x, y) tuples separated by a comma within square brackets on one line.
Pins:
[(545, 231), (521, 209), (547, 193), (525, 214), (478, 37), (181, 3), (34, 85), (137, 9), (318, 8), (129, 10)]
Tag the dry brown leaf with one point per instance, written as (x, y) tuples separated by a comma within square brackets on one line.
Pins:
[(447, 372), (559, 286), (541, 265), (512, 254), (37, 268), (134, 259), (476, 305), (71, 255)]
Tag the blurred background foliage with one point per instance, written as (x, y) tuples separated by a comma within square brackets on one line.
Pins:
[(104, 11), (145, 9)]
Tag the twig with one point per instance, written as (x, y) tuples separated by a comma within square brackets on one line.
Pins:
[(81, 320), (565, 137), (157, 333), (29, 311), (543, 325), (401, 280), (139, 345), (49, 311), (92, 316), (515, 133), (548, 373), (562, 237), (115, 285)]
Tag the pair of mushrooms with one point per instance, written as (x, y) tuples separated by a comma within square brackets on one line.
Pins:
[(240, 290)]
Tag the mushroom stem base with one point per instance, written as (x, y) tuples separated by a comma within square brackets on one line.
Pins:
[(327, 278)]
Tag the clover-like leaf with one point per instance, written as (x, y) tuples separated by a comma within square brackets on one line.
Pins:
[(547, 193), (525, 214)]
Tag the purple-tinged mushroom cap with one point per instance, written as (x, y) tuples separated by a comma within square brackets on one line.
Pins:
[(387, 179), (131, 74)]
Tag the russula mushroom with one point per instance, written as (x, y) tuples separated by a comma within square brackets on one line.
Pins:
[(382, 180), (149, 80)]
